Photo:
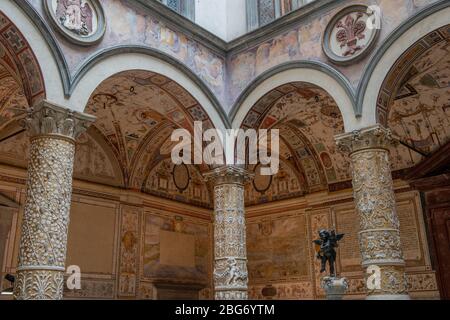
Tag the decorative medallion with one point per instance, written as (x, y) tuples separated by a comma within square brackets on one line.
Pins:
[(261, 183), (81, 21), (181, 177), (351, 34)]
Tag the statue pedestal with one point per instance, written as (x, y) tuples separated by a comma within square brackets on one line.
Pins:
[(335, 288)]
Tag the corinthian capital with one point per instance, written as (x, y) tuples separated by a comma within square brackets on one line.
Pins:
[(229, 174), (49, 119), (375, 137)]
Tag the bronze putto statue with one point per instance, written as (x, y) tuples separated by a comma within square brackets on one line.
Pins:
[(325, 248)]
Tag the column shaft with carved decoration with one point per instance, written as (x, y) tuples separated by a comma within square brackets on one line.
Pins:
[(43, 244), (379, 235), (230, 248)]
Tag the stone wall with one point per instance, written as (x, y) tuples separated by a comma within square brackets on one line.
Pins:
[(282, 255), (126, 246), (133, 246)]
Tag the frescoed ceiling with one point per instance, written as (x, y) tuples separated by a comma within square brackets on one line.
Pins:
[(419, 114), (12, 98), (129, 144), (137, 112), (308, 120)]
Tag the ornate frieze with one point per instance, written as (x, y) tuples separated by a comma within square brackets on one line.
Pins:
[(80, 21), (379, 235), (230, 250), (351, 34), (43, 245)]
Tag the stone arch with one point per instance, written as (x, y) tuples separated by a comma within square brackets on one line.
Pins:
[(123, 58), (308, 118), (46, 54), (406, 35), (312, 72), (137, 111), (402, 69), (18, 59)]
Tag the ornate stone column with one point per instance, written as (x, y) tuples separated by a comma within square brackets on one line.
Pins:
[(379, 235), (42, 256), (230, 248)]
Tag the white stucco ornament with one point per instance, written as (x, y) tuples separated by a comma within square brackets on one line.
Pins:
[(352, 33), (80, 21)]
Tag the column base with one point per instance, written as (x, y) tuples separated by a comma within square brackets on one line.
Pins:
[(335, 288), (39, 285), (389, 297)]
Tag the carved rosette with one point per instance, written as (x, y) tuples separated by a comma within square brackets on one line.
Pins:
[(230, 249), (43, 245), (379, 235)]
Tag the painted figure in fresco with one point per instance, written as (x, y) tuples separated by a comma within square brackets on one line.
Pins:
[(325, 248), (75, 16)]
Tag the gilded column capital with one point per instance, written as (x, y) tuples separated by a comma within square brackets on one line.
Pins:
[(229, 174), (47, 118), (374, 137)]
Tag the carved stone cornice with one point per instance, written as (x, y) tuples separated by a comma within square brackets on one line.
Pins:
[(229, 174), (47, 118), (375, 137)]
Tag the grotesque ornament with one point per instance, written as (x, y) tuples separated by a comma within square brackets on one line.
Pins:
[(75, 16)]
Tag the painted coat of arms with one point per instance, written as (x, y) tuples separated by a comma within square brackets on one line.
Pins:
[(81, 21), (75, 15)]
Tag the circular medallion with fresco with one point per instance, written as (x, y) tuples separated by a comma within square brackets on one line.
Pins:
[(80, 21), (181, 177), (351, 34), (261, 183)]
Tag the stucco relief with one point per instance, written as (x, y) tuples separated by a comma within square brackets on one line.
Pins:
[(80, 21), (133, 26)]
